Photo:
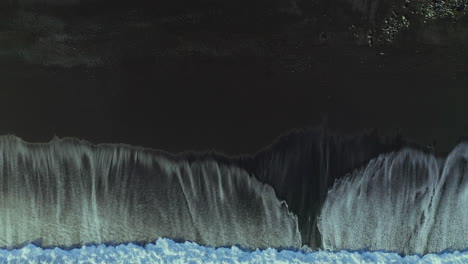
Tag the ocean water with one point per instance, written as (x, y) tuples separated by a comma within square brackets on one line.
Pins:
[(168, 251), (70, 193)]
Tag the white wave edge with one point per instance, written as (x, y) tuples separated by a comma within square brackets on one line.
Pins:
[(167, 251)]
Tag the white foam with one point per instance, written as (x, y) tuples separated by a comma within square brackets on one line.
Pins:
[(168, 251)]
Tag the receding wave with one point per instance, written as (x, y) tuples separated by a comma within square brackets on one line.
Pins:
[(310, 187), (408, 201), (78, 189), (69, 192)]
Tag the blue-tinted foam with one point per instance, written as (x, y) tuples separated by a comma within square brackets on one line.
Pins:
[(168, 251)]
